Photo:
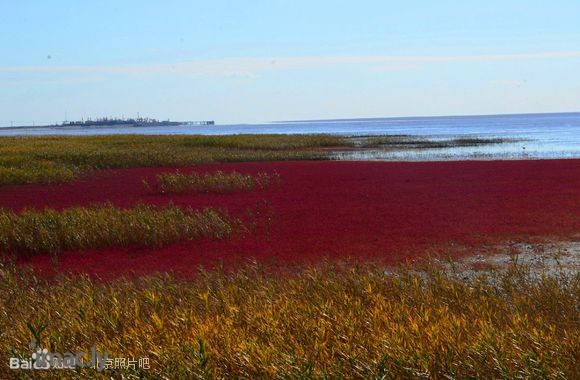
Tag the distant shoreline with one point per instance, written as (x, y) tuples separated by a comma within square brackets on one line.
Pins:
[(113, 123), (88, 127)]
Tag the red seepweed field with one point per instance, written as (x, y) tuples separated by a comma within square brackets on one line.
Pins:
[(273, 302), (389, 211)]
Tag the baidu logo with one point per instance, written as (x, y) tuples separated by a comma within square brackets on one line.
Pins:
[(43, 359)]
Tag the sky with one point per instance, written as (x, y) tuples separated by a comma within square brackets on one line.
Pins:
[(253, 61)]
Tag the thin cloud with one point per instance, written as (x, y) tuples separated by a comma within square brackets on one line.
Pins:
[(508, 83), (250, 67), (67, 80)]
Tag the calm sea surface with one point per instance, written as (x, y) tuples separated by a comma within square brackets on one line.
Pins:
[(543, 135)]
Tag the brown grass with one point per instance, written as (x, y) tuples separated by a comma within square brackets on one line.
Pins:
[(331, 322)]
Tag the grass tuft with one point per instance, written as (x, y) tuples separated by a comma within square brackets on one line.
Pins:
[(79, 228), (218, 182)]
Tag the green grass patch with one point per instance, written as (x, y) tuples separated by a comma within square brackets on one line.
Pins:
[(51, 159)]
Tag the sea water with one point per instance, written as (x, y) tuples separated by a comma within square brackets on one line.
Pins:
[(554, 135)]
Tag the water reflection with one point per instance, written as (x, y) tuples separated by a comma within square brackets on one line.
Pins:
[(524, 149)]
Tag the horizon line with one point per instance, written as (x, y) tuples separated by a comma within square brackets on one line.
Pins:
[(353, 119), (426, 116)]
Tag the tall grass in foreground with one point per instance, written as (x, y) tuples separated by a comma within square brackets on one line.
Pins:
[(52, 231), (218, 182), (330, 322), (53, 159)]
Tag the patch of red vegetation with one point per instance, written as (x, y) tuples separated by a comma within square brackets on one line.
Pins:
[(383, 210)]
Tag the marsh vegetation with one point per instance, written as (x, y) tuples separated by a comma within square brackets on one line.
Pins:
[(330, 321), (100, 226), (401, 142), (56, 159), (218, 182)]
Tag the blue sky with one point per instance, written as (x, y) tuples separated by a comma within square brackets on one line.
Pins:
[(278, 60)]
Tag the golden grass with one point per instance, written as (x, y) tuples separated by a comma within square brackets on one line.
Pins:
[(78, 228), (52, 159), (218, 182), (328, 322)]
